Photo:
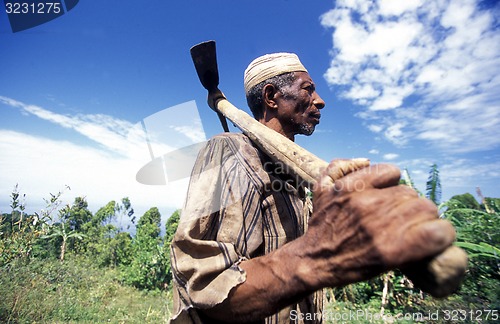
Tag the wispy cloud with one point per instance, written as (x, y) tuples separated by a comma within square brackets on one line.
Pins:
[(102, 173), (117, 136), (390, 156), (195, 134), (428, 70), (41, 166)]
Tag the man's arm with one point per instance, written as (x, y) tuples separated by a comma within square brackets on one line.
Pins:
[(362, 226)]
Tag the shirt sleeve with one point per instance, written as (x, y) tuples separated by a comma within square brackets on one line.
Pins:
[(220, 225)]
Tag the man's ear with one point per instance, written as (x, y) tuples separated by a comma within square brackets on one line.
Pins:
[(269, 95)]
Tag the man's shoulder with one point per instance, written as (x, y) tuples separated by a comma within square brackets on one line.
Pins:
[(227, 136), (231, 139), (235, 145)]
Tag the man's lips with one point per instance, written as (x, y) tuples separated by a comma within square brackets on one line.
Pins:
[(316, 116)]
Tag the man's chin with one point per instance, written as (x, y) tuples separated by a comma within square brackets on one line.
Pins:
[(307, 130)]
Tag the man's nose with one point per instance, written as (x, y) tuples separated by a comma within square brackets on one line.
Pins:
[(318, 102)]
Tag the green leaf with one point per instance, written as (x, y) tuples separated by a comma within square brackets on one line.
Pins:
[(483, 249)]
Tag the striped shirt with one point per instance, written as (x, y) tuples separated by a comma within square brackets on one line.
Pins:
[(239, 205)]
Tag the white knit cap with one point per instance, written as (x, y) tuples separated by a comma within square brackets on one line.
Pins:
[(270, 65)]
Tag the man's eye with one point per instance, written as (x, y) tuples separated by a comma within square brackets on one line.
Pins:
[(309, 88)]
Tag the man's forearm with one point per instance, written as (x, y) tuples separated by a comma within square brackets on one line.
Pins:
[(273, 282)]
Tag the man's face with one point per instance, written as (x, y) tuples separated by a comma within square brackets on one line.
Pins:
[(299, 106)]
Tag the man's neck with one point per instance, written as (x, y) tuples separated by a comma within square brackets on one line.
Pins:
[(275, 125)]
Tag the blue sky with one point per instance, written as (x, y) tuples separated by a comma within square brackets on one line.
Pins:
[(406, 82)]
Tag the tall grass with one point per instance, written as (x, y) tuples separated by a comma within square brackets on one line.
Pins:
[(77, 291), (48, 291)]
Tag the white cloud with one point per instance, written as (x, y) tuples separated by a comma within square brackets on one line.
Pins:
[(116, 135), (390, 156), (395, 134), (362, 92), (177, 126), (41, 166), (397, 7), (195, 134), (391, 98), (375, 128), (428, 70), (374, 151)]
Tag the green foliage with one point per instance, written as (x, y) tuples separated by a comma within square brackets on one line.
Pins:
[(482, 249), (59, 230), (148, 227), (149, 269), (171, 226), (477, 233), (493, 204), (120, 250), (77, 291), (92, 248), (126, 209), (150, 264), (76, 215), (466, 201), (102, 262), (20, 232), (100, 233), (104, 215)]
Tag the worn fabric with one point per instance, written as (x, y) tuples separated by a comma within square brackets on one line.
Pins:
[(270, 65), (239, 205)]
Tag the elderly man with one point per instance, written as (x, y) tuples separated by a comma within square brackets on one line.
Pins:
[(242, 252)]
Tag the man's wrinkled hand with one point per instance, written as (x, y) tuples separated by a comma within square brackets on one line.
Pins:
[(213, 97), (366, 223)]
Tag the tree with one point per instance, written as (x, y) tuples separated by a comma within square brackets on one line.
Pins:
[(433, 185), (463, 201), (148, 227), (76, 215), (72, 220), (125, 209), (104, 241), (120, 250), (170, 227), (104, 215), (59, 230), (99, 232), (149, 266)]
